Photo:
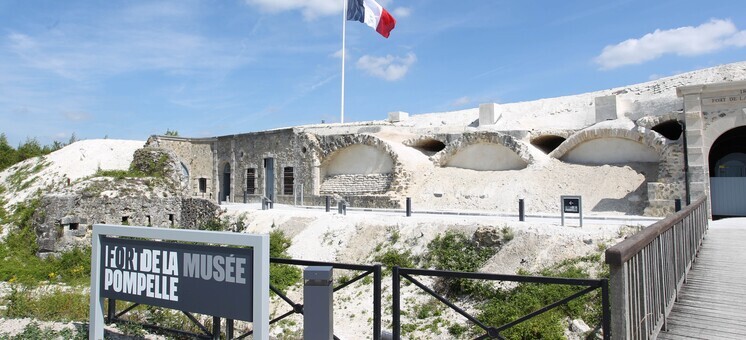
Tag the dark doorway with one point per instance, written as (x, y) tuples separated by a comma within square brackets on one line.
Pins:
[(727, 160), (226, 182), (269, 178)]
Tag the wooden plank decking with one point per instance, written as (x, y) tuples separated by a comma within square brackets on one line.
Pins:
[(712, 304)]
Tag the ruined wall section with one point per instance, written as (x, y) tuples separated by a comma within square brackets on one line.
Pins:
[(63, 222), (197, 156)]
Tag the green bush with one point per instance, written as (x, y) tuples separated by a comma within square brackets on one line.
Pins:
[(456, 252), (394, 257), (281, 276)]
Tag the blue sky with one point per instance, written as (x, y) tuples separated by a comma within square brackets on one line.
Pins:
[(129, 69)]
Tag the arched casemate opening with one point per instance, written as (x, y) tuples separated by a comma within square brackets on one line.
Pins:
[(486, 157), (727, 163), (357, 169), (547, 143), (670, 129)]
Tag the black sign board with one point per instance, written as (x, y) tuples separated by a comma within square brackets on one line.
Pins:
[(571, 205), (203, 279)]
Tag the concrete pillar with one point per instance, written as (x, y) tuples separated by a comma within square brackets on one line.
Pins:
[(489, 114)]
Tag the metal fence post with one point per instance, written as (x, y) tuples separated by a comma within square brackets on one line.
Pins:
[(229, 330), (395, 307), (112, 312), (216, 328), (377, 302), (677, 205), (605, 306), (327, 203), (409, 206)]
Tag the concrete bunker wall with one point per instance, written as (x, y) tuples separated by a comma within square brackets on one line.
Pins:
[(485, 151)]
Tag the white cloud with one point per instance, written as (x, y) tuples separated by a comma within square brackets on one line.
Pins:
[(389, 68), (311, 9), (338, 53), (458, 102), (684, 41), (402, 12), (77, 116)]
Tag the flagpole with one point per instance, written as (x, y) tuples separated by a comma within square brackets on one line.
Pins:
[(344, 25)]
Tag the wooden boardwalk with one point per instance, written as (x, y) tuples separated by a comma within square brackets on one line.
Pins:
[(712, 304)]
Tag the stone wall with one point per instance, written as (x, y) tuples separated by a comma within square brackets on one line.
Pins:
[(357, 184), (197, 211)]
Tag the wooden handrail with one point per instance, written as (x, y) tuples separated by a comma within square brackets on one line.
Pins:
[(623, 251)]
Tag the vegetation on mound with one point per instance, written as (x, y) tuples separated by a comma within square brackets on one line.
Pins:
[(496, 305), (18, 253), (34, 332), (29, 149)]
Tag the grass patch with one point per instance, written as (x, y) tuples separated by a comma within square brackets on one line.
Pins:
[(56, 305)]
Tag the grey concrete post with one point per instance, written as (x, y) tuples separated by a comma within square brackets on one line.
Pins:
[(318, 303), (409, 206)]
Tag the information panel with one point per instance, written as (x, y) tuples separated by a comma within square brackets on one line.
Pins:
[(203, 279), (571, 205)]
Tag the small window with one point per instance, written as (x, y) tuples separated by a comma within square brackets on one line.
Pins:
[(171, 219), (288, 180), (203, 185), (74, 226), (251, 181), (125, 220)]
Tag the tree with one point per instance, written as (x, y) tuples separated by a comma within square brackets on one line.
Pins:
[(31, 148), (172, 133), (8, 155)]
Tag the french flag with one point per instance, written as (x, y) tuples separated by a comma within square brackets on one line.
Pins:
[(372, 14)]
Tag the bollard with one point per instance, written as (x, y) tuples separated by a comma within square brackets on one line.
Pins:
[(677, 205), (264, 203), (328, 204), (342, 207), (245, 197), (409, 206), (521, 211), (318, 303)]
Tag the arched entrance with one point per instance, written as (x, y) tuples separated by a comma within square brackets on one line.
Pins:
[(727, 160), (226, 192)]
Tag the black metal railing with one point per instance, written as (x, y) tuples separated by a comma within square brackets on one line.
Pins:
[(648, 269), (490, 331), (113, 316), (296, 308)]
